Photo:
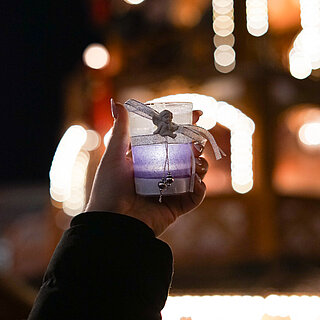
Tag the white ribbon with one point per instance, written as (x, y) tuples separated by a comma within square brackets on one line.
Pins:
[(194, 132)]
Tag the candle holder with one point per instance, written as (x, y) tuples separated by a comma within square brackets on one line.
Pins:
[(162, 163), (161, 139)]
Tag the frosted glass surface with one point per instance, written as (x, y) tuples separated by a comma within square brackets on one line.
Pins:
[(149, 160)]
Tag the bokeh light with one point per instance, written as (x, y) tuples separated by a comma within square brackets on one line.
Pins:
[(300, 66), (96, 56), (305, 54), (228, 40), (93, 141), (63, 162), (76, 201), (107, 138), (309, 134), (257, 17), (229, 307), (224, 55), (134, 2), (223, 26)]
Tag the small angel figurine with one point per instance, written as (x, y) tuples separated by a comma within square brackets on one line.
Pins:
[(164, 124)]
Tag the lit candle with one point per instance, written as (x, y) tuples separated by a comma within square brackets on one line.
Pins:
[(155, 156)]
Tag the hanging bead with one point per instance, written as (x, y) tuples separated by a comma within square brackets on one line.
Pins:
[(169, 179), (160, 198), (162, 185)]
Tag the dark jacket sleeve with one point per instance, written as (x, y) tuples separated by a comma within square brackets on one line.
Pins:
[(106, 266)]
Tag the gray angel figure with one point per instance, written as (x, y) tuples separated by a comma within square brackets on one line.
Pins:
[(164, 124)]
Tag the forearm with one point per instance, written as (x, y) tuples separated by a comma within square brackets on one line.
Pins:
[(106, 266)]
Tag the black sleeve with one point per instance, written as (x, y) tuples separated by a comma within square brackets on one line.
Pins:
[(106, 266)]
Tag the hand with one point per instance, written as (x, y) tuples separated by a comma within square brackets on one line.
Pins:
[(114, 191)]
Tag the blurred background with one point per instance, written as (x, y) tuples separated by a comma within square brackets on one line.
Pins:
[(64, 60)]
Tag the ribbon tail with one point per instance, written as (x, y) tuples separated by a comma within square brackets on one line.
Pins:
[(222, 152), (203, 133)]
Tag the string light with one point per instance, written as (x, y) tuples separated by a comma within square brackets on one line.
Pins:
[(223, 26), (228, 40), (241, 127), (93, 141), (96, 56), (300, 66), (257, 17), (134, 2), (305, 54), (309, 134), (226, 307), (224, 55), (63, 161), (69, 168), (77, 198)]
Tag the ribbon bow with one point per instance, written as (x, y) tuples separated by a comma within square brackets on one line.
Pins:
[(165, 126)]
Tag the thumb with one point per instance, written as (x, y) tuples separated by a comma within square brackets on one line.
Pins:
[(119, 141)]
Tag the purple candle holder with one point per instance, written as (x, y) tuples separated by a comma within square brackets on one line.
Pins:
[(150, 151)]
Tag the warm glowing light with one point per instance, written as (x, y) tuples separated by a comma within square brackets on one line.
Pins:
[(134, 2), (77, 198), (93, 141), (308, 44), (300, 66), (96, 56), (257, 32), (224, 55), (305, 54), (68, 170), (242, 157), (310, 13), (187, 15), (241, 307), (242, 129), (223, 26), (107, 138), (227, 114), (63, 162), (223, 10), (228, 40), (225, 69), (309, 134), (257, 17)]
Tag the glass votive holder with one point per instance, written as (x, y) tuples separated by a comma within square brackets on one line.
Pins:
[(154, 155)]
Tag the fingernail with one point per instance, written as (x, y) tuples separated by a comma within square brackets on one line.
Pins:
[(114, 109), (198, 147)]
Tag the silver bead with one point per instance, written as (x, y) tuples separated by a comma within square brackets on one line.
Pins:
[(162, 185), (169, 179)]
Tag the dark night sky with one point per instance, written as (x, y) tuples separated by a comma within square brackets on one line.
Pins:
[(43, 41)]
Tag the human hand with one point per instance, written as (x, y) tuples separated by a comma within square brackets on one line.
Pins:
[(114, 191)]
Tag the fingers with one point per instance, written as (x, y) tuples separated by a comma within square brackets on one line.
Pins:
[(197, 149), (129, 154), (201, 167), (192, 200), (119, 141), (196, 114)]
